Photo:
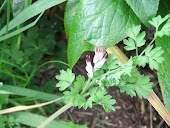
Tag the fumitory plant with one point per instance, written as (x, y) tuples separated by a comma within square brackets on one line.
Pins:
[(92, 25), (106, 72)]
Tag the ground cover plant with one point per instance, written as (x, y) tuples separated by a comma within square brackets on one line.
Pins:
[(33, 49)]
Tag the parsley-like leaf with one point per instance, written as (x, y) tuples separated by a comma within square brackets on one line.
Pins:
[(157, 21), (130, 44), (142, 60), (129, 88), (111, 62), (136, 38), (65, 79), (134, 31), (142, 87), (154, 56), (98, 95), (140, 39), (80, 82), (107, 103)]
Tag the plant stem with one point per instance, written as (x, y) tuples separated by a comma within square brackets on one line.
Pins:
[(86, 86), (136, 51), (148, 46), (56, 114), (152, 98)]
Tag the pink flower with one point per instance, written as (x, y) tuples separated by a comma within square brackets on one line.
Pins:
[(98, 60), (89, 68), (99, 53), (100, 63)]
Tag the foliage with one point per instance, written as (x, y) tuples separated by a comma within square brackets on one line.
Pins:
[(8, 122), (26, 56), (164, 69), (66, 78), (33, 120)]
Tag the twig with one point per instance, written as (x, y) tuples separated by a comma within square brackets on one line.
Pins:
[(151, 123)]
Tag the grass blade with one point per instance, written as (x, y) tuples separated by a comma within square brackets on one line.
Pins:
[(34, 120), (30, 12), (3, 5), (20, 108), (21, 29), (31, 93)]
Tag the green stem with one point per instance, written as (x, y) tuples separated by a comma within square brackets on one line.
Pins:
[(136, 51), (148, 46), (56, 114), (34, 70), (86, 86), (3, 5), (8, 15)]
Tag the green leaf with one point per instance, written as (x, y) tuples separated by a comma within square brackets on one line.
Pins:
[(29, 12), (127, 67), (140, 39), (65, 79), (80, 82), (98, 95), (102, 23), (69, 14), (34, 120), (73, 95), (133, 76), (111, 62), (8, 122), (30, 93), (144, 9), (134, 31), (142, 60), (88, 103), (130, 44), (3, 99), (88, 47), (142, 87), (18, 6), (72, 125), (154, 56), (164, 70), (107, 103), (157, 21), (129, 88), (136, 38), (165, 30)]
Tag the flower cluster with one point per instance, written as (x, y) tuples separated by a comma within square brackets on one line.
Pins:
[(98, 60)]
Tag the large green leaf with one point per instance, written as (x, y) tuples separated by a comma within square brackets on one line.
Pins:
[(164, 70), (102, 23), (144, 9), (70, 11), (18, 6), (35, 120), (30, 12)]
